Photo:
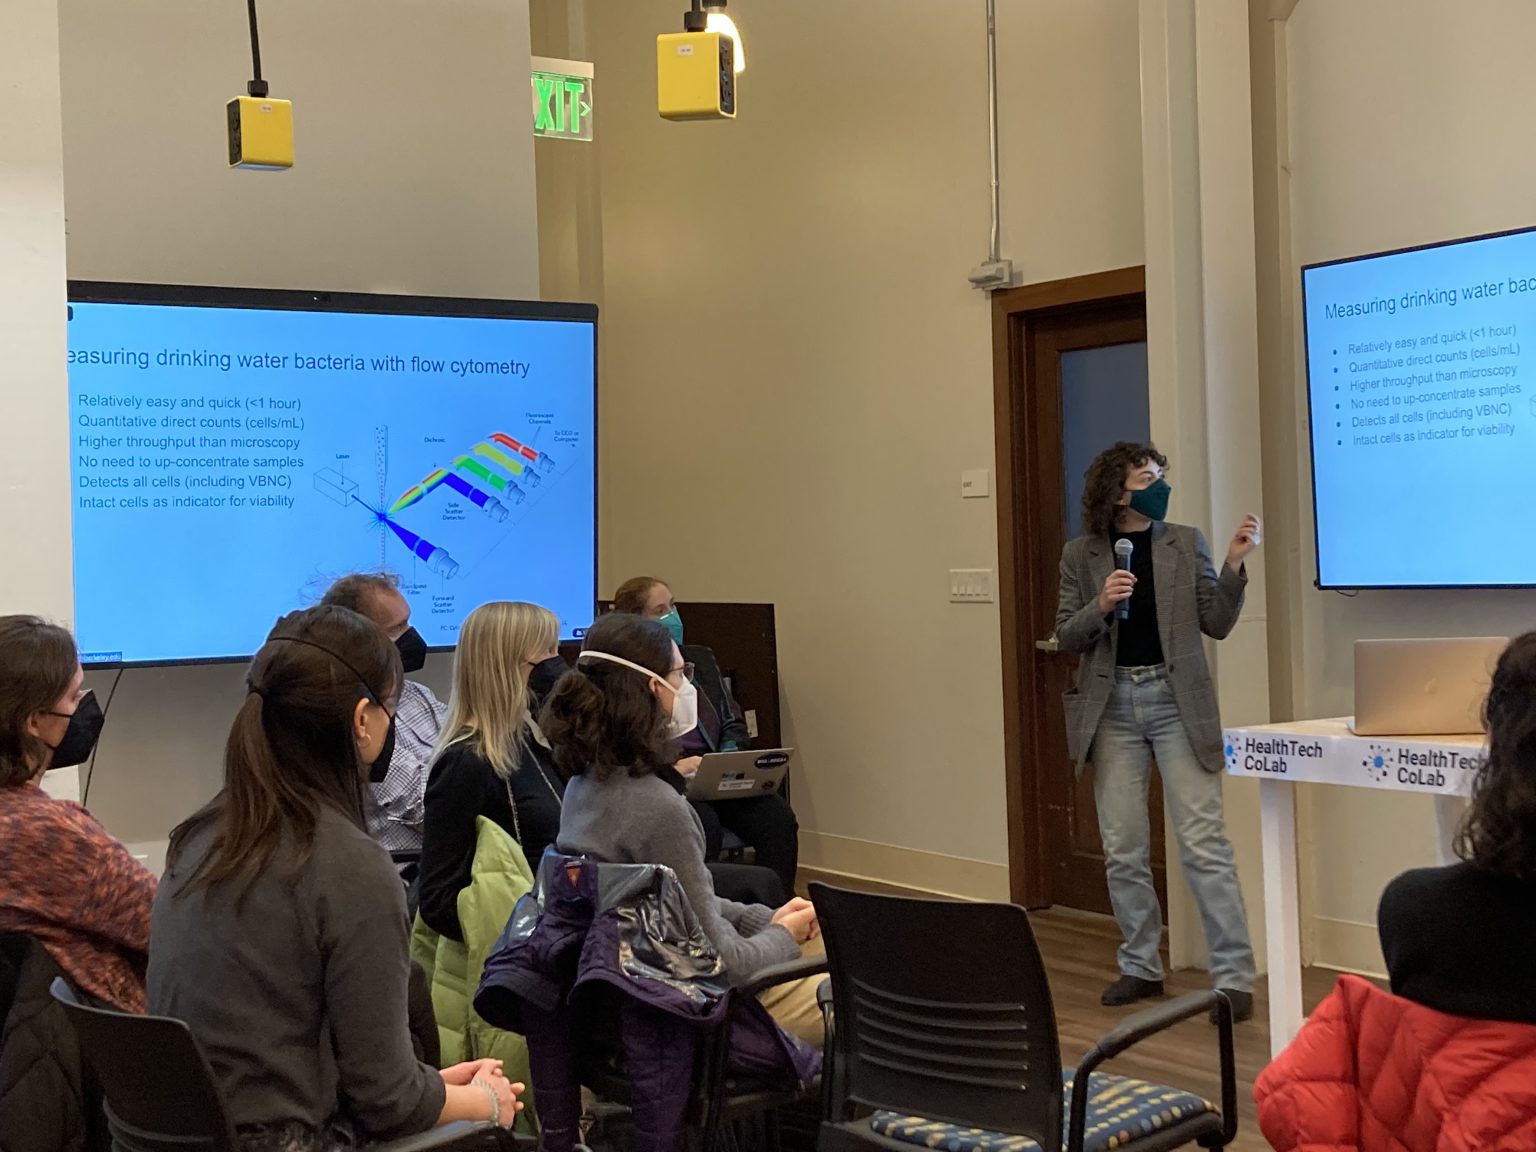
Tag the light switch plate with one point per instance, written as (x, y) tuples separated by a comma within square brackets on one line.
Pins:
[(970, 586), (975, 483)]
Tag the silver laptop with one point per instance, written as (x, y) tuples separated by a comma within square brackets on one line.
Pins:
[(740, 775), (1423, 687)]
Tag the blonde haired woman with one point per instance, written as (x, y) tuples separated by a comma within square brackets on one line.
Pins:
[(491, 759)]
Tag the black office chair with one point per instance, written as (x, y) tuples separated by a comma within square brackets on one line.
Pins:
[(160, 1094), (942, 1025)]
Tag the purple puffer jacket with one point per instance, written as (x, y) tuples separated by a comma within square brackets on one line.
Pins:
[(613, 954)]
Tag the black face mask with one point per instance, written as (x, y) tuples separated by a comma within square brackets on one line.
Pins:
[(413, 650), (380, 767), (81, 734), (546, 674)]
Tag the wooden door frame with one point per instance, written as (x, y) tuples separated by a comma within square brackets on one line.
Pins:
[(1013, 312)]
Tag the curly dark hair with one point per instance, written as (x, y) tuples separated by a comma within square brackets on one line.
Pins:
[(1104, 483), (603, 717), (1499, 832)]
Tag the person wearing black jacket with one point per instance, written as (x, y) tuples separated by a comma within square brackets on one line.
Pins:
[(49, 1102), (766, 824), (493, 761), (1461, 939), (491, 758)]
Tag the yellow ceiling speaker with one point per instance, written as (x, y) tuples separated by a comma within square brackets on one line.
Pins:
[(260, 133), (260, 128), (696, 70)]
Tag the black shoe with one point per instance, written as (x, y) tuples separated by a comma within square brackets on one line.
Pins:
[(1128, 990), (1242, 1006)]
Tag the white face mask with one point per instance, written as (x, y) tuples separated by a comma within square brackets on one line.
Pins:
[(685, 700)]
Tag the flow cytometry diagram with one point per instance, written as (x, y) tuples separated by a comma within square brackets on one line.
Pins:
[(499, 450), (506, 466)]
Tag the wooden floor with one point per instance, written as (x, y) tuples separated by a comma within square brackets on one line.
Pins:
[(1079, 953)]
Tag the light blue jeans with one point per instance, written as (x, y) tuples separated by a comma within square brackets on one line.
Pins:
[(1141, 723)]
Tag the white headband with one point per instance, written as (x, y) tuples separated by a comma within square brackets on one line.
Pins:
[(626, 663)]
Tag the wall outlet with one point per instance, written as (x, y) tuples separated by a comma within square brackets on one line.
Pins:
[(970, 586)]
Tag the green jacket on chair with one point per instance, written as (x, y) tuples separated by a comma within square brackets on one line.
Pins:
[(498, 879)]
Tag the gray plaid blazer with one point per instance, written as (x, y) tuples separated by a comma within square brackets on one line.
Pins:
[(1191, 599)]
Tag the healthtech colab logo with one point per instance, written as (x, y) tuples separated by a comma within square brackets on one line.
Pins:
[(1378, 762)]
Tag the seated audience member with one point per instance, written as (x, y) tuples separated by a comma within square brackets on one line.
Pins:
[(1374, 1072), (66, 883), (1462, 939), (395, 813), (766, 823), (1448, 1060), (610, 722), (492, 760), (495, 762), (279, 920)]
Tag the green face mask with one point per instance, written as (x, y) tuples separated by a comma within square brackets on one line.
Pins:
[(1152, 501), (674, 622)]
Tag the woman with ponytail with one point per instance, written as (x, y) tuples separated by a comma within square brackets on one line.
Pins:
[(610, 724), (1462, 939), (279, 932)]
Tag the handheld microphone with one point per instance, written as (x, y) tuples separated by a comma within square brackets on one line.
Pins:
[(1123, 550)]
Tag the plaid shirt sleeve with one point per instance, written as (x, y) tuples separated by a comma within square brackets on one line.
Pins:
[(396, 815)]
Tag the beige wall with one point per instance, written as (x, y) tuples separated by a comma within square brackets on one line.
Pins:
[(1202, 332), (795, 370), (414, 174), (34, 459), (411, 174), (1400, 118)]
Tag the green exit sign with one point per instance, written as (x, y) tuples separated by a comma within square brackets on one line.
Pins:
[(562, 99)]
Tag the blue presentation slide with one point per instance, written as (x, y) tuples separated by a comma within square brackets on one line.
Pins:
[(228, 463), (1423, 414)]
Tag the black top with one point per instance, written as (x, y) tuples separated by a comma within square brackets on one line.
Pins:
[(721, 725), (1462, 941), (1139, 645), (461, 786), (296, 991)]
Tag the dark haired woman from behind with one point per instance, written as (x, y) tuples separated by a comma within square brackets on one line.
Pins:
[(63, 881), (279, 932), (610, 724), (1462, 939)]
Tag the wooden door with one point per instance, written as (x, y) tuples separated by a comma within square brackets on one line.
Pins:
[(1075, 383)]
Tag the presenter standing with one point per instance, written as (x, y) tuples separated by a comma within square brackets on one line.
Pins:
[(1144, 693)]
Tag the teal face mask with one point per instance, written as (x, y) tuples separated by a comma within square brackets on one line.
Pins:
[(1152, 501), (674, 622)]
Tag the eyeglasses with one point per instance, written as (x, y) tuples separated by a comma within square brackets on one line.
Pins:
[(688, 669)]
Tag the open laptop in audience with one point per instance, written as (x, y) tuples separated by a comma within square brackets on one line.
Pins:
[(739, 775), (1423, 687)]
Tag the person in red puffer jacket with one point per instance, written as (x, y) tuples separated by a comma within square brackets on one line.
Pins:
[(1448, 1061), (1372, 1072)]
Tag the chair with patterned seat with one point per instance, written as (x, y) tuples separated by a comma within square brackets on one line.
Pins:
[(942, 1035)]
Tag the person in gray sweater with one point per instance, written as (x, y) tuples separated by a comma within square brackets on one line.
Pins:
[(609, 724), (279, 934)]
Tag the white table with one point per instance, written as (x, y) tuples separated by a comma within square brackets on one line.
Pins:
[(1327, 752)]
